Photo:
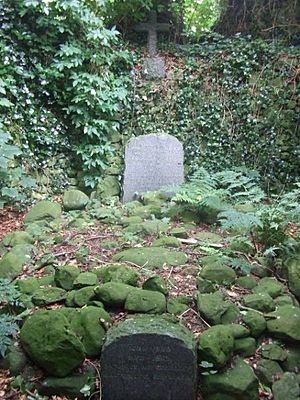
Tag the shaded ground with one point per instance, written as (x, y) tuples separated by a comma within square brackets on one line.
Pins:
[(85, 248)]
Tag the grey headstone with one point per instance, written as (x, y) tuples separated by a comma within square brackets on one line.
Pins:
[(149, 358), (154, 68), (152, 162)]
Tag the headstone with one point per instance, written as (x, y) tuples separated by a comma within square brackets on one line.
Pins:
[(149, 358), (152, 162), (154, 66)]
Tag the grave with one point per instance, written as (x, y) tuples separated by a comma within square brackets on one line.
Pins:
[(149, 358), (154, 66), (152, 162)]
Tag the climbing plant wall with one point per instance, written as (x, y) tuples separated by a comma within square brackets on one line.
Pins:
[(230, 101)]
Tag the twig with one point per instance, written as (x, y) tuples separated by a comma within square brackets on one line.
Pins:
[(170, 273), (202, 319)]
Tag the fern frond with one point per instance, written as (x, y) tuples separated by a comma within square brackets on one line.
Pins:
[(239, 221)]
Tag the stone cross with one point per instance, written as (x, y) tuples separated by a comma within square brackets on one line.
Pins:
[(152, 27)]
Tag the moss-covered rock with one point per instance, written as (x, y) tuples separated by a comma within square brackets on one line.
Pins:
[(176, 307), (113, 293), (30, 285), (48, 295), (136, 209), (167, 241), (18, 237), (85, 279), (270, 286), (220, 274), (80, 297), (156, 284), (239, 382), (152, 325), (154, 227), (108, 187), (261, 302), (11, 265), (208, 237), (267, 371), (205, 286), (134, 220), (118, 273), (239, 331), (75, 200), (284, 323), (255, 322), (65, 276), (179, 232), (287, 388), (245, 347), (247, 282), (284, 300), (274, 352), (94, 321), (70, 386), (216, 345), (293, 267), (145, 301), (292, 361), (43, 211), (215, 309), (152, 257), (14, 360), (44, 335)]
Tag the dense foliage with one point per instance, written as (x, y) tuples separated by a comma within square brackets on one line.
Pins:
[(63, 80), (232, 102)]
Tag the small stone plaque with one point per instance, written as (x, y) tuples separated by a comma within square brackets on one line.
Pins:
[(154, 68), (152, 162), (139, 364)]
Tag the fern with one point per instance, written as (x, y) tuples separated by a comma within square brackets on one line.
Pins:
[(9, 294), (239, 221), (8, 328)]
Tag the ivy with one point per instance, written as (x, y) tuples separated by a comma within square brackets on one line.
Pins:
[(66, 75), (232, 102)]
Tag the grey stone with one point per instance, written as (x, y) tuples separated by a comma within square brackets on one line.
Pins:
[(154, 68), (149, 357), (152, 162)]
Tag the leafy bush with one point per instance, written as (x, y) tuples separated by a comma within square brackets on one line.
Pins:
[(66, 75), (13, 181)]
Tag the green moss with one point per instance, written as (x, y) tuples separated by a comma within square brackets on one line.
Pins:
[(167, 241), (270, 286), (48, 295), (245, 347), (113, 293), (255, 321), (152, 257), (145, 301), (157, 284), (151, 325), (65, 276), (284, 323), (220, 274), (260, 302), (43, 211), (216, 345), (118, 273), (239, 381), (44, 335), (75, 200)]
